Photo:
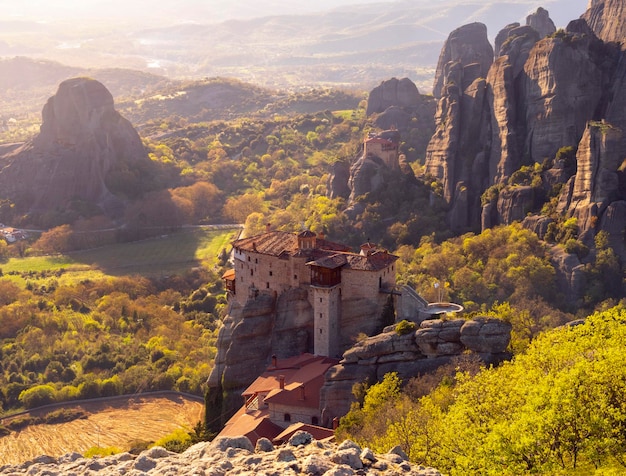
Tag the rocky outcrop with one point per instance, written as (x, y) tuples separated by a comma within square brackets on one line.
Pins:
[(250, 334), (456, 152), (502, 36), (268, 325), (367, 175), (503, 98), (570, 275), (537, 98), (301, 455), (574, 65), (338, 179), (82, 140), (402, 93), (466, 45), (433, 344), (541, 22), (606, 18), (598, 181)]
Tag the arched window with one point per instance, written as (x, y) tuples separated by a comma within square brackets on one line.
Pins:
[(287, 417)]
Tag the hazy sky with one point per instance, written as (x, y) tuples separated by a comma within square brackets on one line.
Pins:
[(161, 12)]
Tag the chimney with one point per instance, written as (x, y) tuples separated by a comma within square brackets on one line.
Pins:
[(281, 381), (274, 361), (268, 227), (302, 393)]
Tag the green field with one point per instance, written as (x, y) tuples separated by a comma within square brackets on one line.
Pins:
[(166, 255)]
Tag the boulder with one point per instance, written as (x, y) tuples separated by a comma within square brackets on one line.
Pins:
[(486, 335)]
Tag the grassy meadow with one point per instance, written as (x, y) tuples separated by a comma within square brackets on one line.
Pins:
[(165, 255)]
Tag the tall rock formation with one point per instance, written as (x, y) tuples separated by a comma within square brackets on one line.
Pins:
[(596, 194), (566, 78), (541, 22), (537, 98), (466, 45), (456, 152), (81, 141)]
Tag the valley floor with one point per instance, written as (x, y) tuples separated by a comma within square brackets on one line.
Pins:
[(116, 422)]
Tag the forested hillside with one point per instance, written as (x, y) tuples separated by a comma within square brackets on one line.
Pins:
[(557, 408)]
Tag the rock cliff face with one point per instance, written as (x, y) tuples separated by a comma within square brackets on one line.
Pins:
[(248, 338), (539, 95), (456, 152), (269, 325), (433, 344), (606, 18), (467, 45), (598, 183), (82, 139)]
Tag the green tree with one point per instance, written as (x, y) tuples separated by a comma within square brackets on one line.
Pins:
[(37, 396)]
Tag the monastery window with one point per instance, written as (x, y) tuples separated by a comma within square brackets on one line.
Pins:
[(256, 260), (251, 272), (320, 330), (320, 315), (248, 258), (295, 276), (267, 285), (321, 300), (287, 417), (271, 273)]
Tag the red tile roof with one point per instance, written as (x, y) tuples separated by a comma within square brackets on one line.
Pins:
[(304, 369), (327, 254), (253, 425), (378, 140), (298, 370), (275, 243), (373, 262)]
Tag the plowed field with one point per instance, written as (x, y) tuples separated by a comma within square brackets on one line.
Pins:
[(111, 423)]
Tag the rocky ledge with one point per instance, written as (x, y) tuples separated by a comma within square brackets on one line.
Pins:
[(302, 455)]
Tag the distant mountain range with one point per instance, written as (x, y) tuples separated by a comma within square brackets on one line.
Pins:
[(273, 43)]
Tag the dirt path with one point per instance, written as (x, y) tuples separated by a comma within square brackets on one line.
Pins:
[(109, 424)]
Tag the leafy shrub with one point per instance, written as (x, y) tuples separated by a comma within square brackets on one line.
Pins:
[(576, 247), (20, 423), (63, 416), (177, 441), (405, 327), (37, 396), (98, 451)]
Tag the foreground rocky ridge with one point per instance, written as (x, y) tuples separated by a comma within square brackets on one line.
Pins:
[(229, 456)]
